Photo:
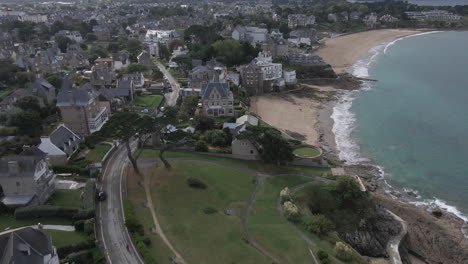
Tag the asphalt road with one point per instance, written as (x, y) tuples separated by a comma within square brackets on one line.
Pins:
[(171, 98), (111, 230)]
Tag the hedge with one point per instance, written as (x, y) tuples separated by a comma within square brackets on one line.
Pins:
[(39, 211), (89, 195), (66, 169), (66, 250), (89, 226), (83, 214)]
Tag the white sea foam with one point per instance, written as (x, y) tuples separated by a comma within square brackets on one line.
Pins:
[(345, 122), (405, 37)]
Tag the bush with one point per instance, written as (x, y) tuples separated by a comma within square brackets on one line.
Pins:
[(285, 195), (147, 240), (89, 195), (83, 256), (318, 224), (66, 250), (83, 214), (291, 212), (66, 169), (39, 211), (196, 183), (79, 225), (209, 210), (89, 226), (201, 146), (322, 255), (133, 225), (343, 252), (215, 137)]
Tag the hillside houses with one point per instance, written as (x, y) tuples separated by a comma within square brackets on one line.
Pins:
[(249, 34), (300, 20), (217, 99)]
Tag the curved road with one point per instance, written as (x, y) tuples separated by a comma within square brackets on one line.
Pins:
[(111, 230), (171, 98)]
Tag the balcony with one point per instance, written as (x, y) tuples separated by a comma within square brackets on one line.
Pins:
[(95, 123)]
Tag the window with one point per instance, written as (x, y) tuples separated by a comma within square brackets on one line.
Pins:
[(18, 184)]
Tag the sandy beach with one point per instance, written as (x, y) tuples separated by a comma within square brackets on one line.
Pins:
[(342, 52)]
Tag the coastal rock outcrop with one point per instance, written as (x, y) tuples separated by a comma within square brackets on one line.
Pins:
[(373, 235)]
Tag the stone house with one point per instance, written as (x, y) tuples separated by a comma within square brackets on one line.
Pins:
[(262, 75), (75, 57), (244, 149), (81, 110), (120, 60), (144, 58), (217, 99), (103, 72), (211, 72), (277, 47), (300, 20), (249, 34), (137, 78), (102, 33), (26, 178), (43, 89), (27, 246), (60, 145)]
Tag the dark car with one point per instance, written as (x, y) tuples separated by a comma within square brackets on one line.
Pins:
[(101, 196)]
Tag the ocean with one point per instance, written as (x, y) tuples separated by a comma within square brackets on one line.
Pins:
[(413, 122), (439, 2)]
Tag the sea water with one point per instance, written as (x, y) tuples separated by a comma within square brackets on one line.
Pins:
[(412, 122)]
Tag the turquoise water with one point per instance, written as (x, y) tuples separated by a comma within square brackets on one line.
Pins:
[(414, 120)]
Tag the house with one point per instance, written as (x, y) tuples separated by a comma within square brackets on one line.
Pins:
[(289, 76), (202, 75), (26, 178), (144, 58), (304, 59), (60, 145), (75, 57), (73, 35), (124, 89), (153, 49), (102, 33), (249, 34), (262, 75), (103, 72), (163, 36), (189, 91), (137, 78), (43, 89), (244, 149), (217, 99), (156, 88), (27, 246), (248, 120), (81, 110), (276, 46), (300, 20), (8, 102), (120, 60)]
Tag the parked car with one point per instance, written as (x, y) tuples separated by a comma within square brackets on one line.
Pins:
[(101, 196)]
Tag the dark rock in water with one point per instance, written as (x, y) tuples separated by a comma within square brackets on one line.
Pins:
[(396, 194), (437, 213), (372, 236), (410, 193)]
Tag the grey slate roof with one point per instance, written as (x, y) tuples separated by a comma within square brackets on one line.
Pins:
[(23, 246), (66, 84), (222, 88), (62, 135), (27, 162), (76, 96), (124, 84)]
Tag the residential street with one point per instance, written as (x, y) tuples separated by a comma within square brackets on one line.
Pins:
[(111, 230), (171, 98)]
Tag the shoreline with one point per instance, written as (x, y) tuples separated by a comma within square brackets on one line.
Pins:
[(399, 200)]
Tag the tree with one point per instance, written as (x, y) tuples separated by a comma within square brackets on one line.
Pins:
[(188, 107), (91, 37), (215, 137), (229, 51), (157, 74), (134, 48), (173, 44), (347, 188), (136, 67), (201, 146), (28, 122), (55, 81), (204, 122), (272, 146), (124, 126), (63, 42), (318, 224), (164, 52), (28, 103), (8, 71), (184, 62)]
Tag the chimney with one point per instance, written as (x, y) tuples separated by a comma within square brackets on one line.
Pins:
[(13, 167), (26, 147), (71, 97)]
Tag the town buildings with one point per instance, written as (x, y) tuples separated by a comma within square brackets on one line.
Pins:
[(26, 178), (103, 72), (433, 15), (60, 145), (217, 99), (300, 20), (81, 109), (249, 34)]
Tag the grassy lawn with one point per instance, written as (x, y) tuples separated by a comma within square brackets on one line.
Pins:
[(96, 154), (9, 221), (254, 165), (5, 92), (66, 198), (148, 100), (269, 230), (306, 152), (136, 200), (63, 238), (200, 237)]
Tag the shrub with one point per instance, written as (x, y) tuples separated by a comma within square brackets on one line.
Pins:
[(201, 146), (209, 210), (285, 195), (83, 256), (133, 226), (147, 240), (216, 137), (89, 195), (79, 225), (343, 252), (39, 211), (89, 226), (83, 214), (322, 255), (66, 169), (318, 224), (196, 183), (66, 250), (291, 212)]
